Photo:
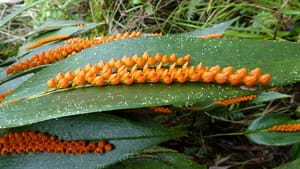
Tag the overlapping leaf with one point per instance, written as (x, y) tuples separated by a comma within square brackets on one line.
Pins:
[(278, 58), (166, 160), (258, 133), (290, 165), (127, 137)]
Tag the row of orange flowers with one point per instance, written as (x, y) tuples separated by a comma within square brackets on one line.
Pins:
[(70, 47), (30, 141), (230, 101), (154, 69), (6, 93), (285, 127)]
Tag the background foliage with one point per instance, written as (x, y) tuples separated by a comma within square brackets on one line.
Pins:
[(204, 141)]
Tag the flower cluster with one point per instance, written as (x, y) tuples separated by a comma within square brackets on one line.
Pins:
[(6, 93), (217, 35), (285, 127), (227, 102), (70, 47), (154, 69), (46, 40), (26, 142), (164, 110)]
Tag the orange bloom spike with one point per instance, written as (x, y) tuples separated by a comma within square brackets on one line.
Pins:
[(31, 142), (217, 35), (137, 69), (235, 100), (163, 110), (70, 48), (46, 40), (285, 128)]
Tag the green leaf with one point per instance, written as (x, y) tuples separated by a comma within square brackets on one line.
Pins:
[(268, 96), (12, 84), (258, 133), (18, 11), (215, 29), (290, 165), (128, 138), (165, 160), (296, 151), (26, 104), (54, 25), (69, 30)]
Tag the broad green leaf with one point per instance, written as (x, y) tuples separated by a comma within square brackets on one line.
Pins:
[(280, 59), (165, 160), (258, 133), (18, 11), (127, 137), (268, 96), (290, 165)]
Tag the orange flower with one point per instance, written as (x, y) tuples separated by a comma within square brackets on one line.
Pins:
[(227, 102), (249, 81), (30, 142), (3, 95), (217, 35), (71, 47), (264, 79), (139, 69), (285, 128), (164, 110), (46, 40)]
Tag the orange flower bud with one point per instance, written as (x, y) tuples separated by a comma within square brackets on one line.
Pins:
[(264, 79), (255, 72), (207, 77), (221, 78), (51, 83), (249, 81)]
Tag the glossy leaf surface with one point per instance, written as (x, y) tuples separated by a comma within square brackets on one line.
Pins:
[(258, 133), (127, 138)]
